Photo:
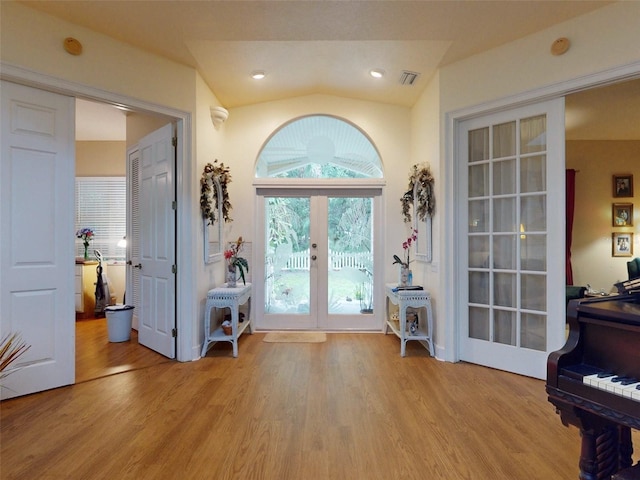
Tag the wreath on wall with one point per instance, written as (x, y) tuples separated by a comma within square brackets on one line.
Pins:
[(209, 201), (421, 181)]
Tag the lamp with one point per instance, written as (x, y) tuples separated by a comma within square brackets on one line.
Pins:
[(219, 115)]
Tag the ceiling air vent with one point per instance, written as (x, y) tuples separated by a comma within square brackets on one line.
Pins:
[(408, 78)]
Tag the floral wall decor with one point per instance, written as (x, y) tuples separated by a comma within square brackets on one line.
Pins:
[(209, 200), (421, 184)]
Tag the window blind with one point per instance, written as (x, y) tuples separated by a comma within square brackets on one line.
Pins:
[(101, 205)]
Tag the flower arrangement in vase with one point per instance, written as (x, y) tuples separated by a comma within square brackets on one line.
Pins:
[(404, 263), (234, 260), (86, 234)]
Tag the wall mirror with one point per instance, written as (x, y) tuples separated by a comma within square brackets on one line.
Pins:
[(213, 230)]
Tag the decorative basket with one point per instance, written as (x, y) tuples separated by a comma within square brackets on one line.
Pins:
[(226, 328)]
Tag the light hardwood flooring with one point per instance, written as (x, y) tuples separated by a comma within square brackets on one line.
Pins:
[(348, 408), (97, 357)]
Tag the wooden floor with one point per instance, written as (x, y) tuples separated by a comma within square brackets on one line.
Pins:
[(348, 408), (96, 357)]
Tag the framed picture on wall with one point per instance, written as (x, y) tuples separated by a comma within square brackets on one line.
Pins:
[(623, 185), (622, 214), (622, 245)]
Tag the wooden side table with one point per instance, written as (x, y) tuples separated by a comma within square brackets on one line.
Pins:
[(231, 298), (404, 299)]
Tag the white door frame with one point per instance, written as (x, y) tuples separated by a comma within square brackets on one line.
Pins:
[(186, 255), (450, 166)]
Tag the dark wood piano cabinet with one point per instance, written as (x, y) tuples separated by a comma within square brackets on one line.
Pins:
[(604, 336)]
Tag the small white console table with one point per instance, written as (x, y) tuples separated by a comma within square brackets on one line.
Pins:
[(404, 299), (231, 298)]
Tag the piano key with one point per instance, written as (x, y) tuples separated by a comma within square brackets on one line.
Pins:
[(624, 386)]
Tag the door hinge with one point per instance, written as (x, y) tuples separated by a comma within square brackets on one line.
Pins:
[(174, 141), (174, 332), (174, 269), (174, 205)]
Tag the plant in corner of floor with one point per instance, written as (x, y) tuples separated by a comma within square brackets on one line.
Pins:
[(11, 348)]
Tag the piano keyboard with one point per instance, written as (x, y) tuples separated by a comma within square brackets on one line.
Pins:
[(626, 387)]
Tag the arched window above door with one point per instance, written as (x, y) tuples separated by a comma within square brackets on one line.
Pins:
[(319, 146)]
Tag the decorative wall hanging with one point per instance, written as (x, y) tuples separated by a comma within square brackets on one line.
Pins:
[(420, 198), (209, 198), (419, 193), (215, 206)]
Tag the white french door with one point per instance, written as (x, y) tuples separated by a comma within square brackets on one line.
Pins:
[(512, 243), (318, 250)]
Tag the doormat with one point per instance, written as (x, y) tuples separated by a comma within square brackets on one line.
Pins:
[(295, 337)]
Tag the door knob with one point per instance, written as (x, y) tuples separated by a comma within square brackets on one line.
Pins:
[(138, 266), (314, 245), (313, 257)]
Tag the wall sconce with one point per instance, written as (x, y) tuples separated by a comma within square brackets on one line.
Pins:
[(219, 115), (122, 243)]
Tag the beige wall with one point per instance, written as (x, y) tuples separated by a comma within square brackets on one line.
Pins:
[(101, 159), (596, 163)]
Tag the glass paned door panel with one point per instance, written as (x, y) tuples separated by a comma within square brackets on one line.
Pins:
[(509, 237), (287, 255), (350, 267)]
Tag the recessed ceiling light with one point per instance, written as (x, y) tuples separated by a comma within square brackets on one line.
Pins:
[(377, 73), (258, 75)]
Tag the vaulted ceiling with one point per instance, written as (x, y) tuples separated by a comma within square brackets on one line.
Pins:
[(310, 46)]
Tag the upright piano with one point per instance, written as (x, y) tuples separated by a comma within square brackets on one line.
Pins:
[(594, 380)]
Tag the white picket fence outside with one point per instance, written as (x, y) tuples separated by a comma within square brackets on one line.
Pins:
[(337, 260)]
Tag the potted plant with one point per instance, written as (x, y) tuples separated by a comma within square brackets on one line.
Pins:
[(235, 261)]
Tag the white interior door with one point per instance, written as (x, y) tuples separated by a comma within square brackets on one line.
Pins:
[(511, 210), (318, 256), (36, 237), (156, 243)]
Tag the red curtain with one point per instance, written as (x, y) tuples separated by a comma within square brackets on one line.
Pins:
[(570, 190)]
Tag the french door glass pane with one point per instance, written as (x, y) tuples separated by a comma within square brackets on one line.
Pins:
[(534, 292), (504, 140), (504, 326), (504, 177), (350, 240), (479, 180), (533, 252), (479, 323), (533, 332), (533, 215), (479, 216), (533, 134), (479, 251), (287, 285), (504, 252), (479, 287), (504, 215), (533, 174), (479, 144), (505, 289)]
